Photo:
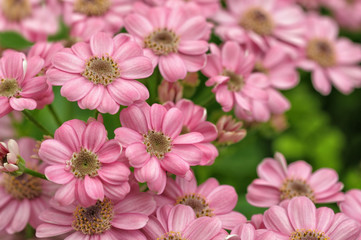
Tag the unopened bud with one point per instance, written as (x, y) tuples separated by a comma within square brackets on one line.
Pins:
[(230, 130), (11, 162), (168, 91)]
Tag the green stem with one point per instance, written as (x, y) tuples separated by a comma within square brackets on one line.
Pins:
[(96, 114), (35, 174), (55, 116), (33, 120)]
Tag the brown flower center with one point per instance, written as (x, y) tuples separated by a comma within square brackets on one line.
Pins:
[(9, 88), (322, 52), (257, 20), (16, 10), (95, 219), (84, 163), (198, 203), (308, 235), (162, 42), (157, 143), (92, 7), (258, 67), (235, 82), (172, 236), (102, 70), (295, 188)]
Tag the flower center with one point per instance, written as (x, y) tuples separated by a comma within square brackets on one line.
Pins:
[(258, 67), (16, 10), (185, 130), (295, 188), (84, 163), (235, 82), (257, 20), (172, 236), (198, 203), (321, 51), (92, 7), (95, 219), (9, 88), (308, 235), (157, 143), (162, 42), (102, 70)]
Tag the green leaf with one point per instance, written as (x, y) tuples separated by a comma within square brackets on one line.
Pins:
[(13, 40)]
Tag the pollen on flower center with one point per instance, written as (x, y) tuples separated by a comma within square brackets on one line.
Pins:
[(95, 219), (257, 20), (9, 88), (172, 236), (84, 163), (157, 143), (308, 235), (92, 7), (16, 10), (162, 41), (295, 188), (102, 70), (321, 51), (235, 83), (198, 203)]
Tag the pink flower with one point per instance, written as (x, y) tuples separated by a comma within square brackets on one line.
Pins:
[(280, 182), (332, 60), (85, 162), (246, 231), (170, 91), (208, 200), (195, 121), (9, 156), (229, 130), (103, 220), (23, 198), (352, 205), (180, 222), (346, 12), (151, 136), (20, 87), (230, 70), (171, 40), (99, 75), (301, 220)]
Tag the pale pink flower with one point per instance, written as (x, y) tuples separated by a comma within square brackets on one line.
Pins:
[(154, 146), (332, 60), (23, 198), (230, 70), (195, 121), (103, 220), (229, 130), (352, 205), (180, 222), (100, 74), (280, 182), (85, 162), (246, 231), (347, 12), (9, 156), (171, 39), (20, 87), (207, 200), (301, 220)]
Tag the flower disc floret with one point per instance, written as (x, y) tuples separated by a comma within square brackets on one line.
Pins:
[(197, 203), (157, 143), (308, 235), (85, 163), (295, 188), (172, 236), (16, 10), (92, 7), (9, 88), (162, 41), (235, 82), (101, 70), (321, 51), (257, 20)]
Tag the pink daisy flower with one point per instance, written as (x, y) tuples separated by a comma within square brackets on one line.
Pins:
[(85, 162), (195, 121), (103, 220), (208, 200), (23, 198), (230, 70), (171, 39), (154, 146), (280, 182), (102, 72), (301, 220), (180, 222), (332, 60), (352, 205), (20, 87), (246, 231)]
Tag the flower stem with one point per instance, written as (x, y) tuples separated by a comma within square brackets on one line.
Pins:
[(96, 114), (33, 120), (55, 116), (35, 174)]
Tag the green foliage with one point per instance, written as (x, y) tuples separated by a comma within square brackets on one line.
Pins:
[(13, 40)]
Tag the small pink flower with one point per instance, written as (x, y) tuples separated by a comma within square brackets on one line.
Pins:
[(280, 182), (171, 39), (100, 74), (180, 222), (332, 60), (208, 200), (154, 146), (9, 156), (85, 162), (352, 205), (195, 121), (103, 220), (301, 220), (229, 130)]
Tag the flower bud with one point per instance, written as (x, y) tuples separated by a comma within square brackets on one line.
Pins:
[(168, 91), (11, 162), (229, 130)]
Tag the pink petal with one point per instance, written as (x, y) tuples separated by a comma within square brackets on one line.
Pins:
[(172, 123), (271, 171), (109, 152), (231, 52), (157, 113), (82, 196), (136, 68), (93, 99), (189, 153), (186, 186), (20, 104), (231, 219), (207, 187), (225, 97), (302, 213), (12, 65), (94, 188), (114, 173), (320, 81), (58, 77), (127, 136), (188, 138), (324, 218), (101, 44), (136, 203), (172, 67), (137, 25), (263, 194), (193, 29), (129, 221), (154, 228), (68, 62), (299, 170), (58, 174), (193, 47), (21, 217), (149, 172), (323, 179), (133, 117), (180, 217), (66, 134), (213, 67), (50, 230), (193, 63), (54, 152), (137, 155), (94, 136), (76, 89), (202, 228), (127, 50), (65, 195), (82, 50), (174, 164), (276, 219), (222, 199)]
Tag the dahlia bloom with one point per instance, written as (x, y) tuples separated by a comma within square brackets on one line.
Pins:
[(103, 220), (230, 70), (151, 136), (208, 200), (20, 87), (180, 222), (301, 220), (229, 130), (332, 60), (246, 231), (171, 39), (280, 182), (195, 121), (352, 205), (100, 74), (23, 198), (85, 162)]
